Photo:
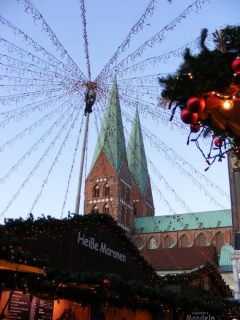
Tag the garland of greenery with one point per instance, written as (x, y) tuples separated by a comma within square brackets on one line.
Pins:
[(49, 226), (89, 287), (210, 70)]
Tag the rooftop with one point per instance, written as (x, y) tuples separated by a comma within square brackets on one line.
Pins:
[(186, 221), (184, 258)]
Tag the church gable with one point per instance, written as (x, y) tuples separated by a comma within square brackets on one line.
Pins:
[(124, 173), (101, 187)]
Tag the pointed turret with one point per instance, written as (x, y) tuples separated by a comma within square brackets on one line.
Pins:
[(111, 138), (143, 200), (108, 187)]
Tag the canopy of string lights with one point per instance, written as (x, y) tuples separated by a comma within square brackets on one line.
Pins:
[(43, 98)]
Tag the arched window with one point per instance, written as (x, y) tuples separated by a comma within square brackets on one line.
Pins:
[(96, 191), (127, 195), (138, 242), (152, 243), (106, 209), (106, 190), (168, 241), (201, 240), (95, 209), (184, 241), (127, 217), (134, 210), (219, 242), (122, 191), (122, 214)]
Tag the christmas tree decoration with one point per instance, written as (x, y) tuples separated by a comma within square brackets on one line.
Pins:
[(213, 92), (106, 283), (236, 65), (188, 117), (218, 142), (195, 104), (227, 104), (195, 127)]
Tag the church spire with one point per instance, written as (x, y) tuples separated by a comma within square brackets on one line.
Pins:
[(108, 187), (111, 138), (136, 156), (139, 171)]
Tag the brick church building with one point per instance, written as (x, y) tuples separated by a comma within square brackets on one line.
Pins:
[(119, 184)]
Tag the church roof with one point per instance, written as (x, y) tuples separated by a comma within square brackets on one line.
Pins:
[(111, 137), (225, 263), (186, 221), (136, 156), (184, 258)]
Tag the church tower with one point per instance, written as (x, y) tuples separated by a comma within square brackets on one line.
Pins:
[(142, 192), (108, 187)]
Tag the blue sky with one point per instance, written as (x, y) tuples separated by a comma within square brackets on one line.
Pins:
[(40, 182)]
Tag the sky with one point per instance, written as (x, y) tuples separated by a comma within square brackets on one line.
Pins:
[(41, 144)]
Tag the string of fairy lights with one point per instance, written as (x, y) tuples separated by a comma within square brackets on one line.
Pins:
[(46, 81), (57, 87), (156, 39)]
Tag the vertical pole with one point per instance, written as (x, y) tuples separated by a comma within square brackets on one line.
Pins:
[(81, 165)]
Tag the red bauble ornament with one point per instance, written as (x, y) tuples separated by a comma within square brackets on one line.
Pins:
[(188, 117), (195, 104), (195, 127), (236, 65), (106, 282), (19, 248), (218, 142)]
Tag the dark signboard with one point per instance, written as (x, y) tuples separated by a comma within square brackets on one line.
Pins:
[(87, 246), (102, 247), (199, 316), (19, 306), (22, 307)]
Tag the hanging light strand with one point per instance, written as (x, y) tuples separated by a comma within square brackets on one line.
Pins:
[(135, 29), (51, 63), (40, 140), (56, 159), (32, 11), (72, 167), (85, 37), (157, 38), (40, 161)]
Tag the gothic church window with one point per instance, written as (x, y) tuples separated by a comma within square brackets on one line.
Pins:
[(201, 240), (122, 192), (106, 190), (168, 241), (134, 210), (96, 191), (95, 209), (139, 242), (127, 216), (122, 214), (184, 241), (152, 243), (106, 209), (127, 195)]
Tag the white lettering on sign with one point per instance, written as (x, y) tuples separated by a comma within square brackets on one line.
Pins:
[(200, 317), (90, 242), (93, 245)]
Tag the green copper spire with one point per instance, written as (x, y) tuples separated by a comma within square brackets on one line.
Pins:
[(111, 137), (136, 156)]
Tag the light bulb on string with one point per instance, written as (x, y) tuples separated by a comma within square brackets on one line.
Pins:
[(227, 104)]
